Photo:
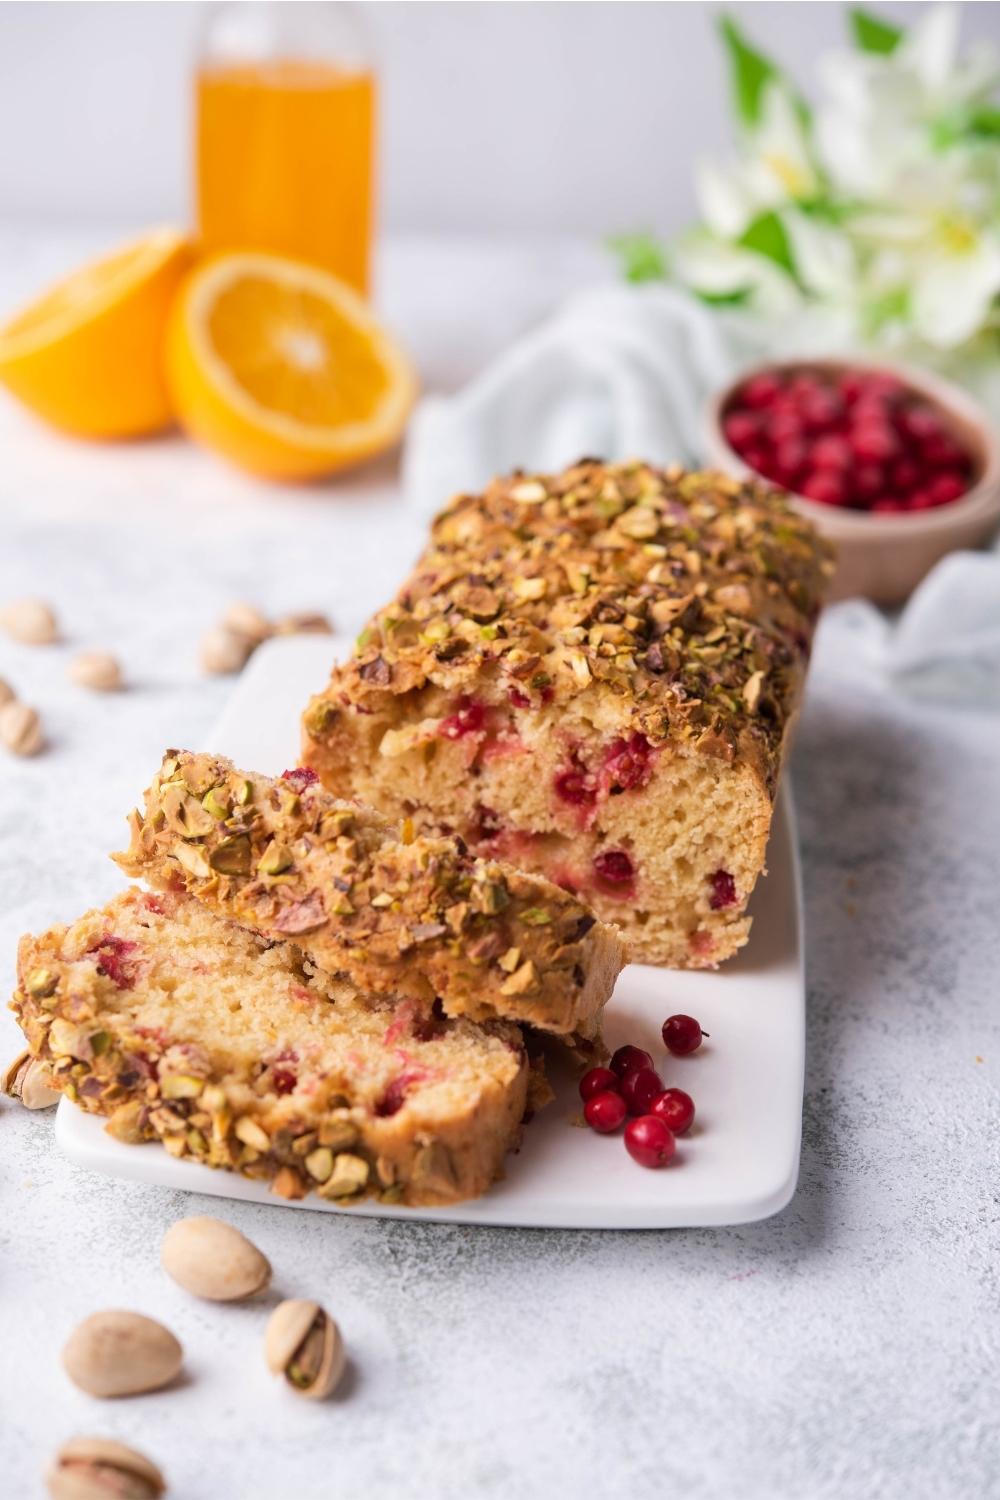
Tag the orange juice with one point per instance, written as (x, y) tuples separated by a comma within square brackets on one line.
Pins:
[(285, 153)]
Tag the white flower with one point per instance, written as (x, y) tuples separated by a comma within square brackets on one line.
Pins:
[(823, 255), (718, 270), (883, 211), (954, 288)]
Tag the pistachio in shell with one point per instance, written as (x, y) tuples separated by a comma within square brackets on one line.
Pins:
[(117, 1353), (28, 1079), (211, 1259), (303, 1344), (94, 1468)]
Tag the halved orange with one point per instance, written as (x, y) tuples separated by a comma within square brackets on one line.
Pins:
[(283, 369), (88, 355)]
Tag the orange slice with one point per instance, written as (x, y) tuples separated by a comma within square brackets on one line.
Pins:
[(282, 368), (88, 355)]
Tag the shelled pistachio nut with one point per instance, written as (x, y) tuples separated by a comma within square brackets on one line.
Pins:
[(94, 1468), (27, 1079), (212, 1259), (303, 1344), (121, 1354)]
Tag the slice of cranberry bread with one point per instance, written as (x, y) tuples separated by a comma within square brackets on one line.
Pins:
[(241, 1054), (397, 913), (592, 674)]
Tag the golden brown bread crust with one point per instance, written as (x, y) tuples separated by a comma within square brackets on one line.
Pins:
[(592, 675), (321, 1090), (399, 914), (691, 596)]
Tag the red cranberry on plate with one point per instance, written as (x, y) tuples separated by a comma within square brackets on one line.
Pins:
[(628, 1059), (682, 1035), (675, 1108), (649, 1141), (639, 1089), (597, 1081), (604, 1112)]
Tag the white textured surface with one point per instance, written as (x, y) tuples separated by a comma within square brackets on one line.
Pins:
[(845, 1350)]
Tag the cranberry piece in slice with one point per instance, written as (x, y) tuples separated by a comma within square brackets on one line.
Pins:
[(639, 1088), (675, 1109), (517, 699), (597, 1081), (649, 1141), (576, 786), (627, 1059), (300, 777), (682, 1035), (614, 866), (468, 718), (723, 890), (761, 390), (604, 1112), (626, 765)]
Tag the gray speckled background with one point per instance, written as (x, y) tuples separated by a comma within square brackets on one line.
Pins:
[(847, 1348)]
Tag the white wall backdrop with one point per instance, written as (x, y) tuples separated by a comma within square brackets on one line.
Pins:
[(496, 116)]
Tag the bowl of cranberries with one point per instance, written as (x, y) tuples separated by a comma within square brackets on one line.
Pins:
[(895, 465)]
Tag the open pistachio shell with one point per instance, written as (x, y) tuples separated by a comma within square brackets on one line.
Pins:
[(303, 1344)]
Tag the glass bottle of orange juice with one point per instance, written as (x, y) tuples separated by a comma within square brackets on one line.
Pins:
[(285, 134)]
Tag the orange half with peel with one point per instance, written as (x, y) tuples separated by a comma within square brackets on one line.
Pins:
[(88, 355), (283, 369)]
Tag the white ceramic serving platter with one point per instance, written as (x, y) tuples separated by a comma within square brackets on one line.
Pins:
[(740, 1161)]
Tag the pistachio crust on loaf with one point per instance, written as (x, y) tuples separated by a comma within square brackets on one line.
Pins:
[(240, 1054), (397, 913), (592, 674)]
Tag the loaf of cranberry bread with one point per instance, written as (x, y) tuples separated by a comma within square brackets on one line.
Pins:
[(241, 1054), (592, 674), (397, 913)]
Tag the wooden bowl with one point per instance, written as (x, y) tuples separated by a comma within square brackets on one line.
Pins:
[(884, 557)]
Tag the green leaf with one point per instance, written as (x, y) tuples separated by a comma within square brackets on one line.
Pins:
[(766, 236), (984, 119), (725, 299), (872, 34), (892, 307), (975, 122), (750, 71), (642, 257)]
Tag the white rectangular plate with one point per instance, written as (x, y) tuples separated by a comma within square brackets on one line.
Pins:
[(740, 1161)]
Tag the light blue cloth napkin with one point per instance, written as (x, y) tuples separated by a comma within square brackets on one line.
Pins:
[(624, 372)]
